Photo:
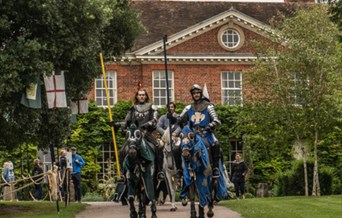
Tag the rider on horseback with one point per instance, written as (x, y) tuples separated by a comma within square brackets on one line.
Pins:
[(163, 124), (146, 116), (201, 115)]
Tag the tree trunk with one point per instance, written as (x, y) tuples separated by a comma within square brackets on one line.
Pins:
[(306, 185), (316, 190)]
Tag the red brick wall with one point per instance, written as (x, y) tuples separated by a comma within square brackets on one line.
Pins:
[(185, 75)]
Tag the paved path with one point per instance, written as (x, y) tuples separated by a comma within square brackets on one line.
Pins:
[(115, 210)]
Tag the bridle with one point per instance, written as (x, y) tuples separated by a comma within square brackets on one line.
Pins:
[(133, 136)]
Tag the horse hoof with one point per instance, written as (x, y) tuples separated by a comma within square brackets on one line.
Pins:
[(153, 216), (134, 215), (184, 202), (173, 209), (210, 213)]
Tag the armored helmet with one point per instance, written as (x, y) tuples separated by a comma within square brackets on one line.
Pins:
[(196, 88)]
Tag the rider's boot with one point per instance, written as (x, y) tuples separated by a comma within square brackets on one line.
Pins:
[(215, 153)]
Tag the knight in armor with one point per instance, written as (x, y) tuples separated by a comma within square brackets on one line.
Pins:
[(146, 115), (202, 117)]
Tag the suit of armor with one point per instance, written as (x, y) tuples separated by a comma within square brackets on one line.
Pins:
[(202, 117)]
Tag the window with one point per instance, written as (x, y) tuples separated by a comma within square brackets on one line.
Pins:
[(231, 88), (106, 160), (231, 37), (100, 92), (159, 87), (298, 86)]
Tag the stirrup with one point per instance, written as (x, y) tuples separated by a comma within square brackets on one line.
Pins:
[(216, 172), (160, 176)]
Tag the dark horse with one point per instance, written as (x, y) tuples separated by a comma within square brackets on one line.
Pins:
[(139, 165), (198, 174)]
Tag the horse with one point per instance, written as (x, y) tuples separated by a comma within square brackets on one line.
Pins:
[(169, 167), (139, 167), (198, 174)]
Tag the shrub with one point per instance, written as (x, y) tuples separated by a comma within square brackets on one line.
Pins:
[(292, 181)]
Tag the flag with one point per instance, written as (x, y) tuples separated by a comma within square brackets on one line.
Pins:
[(79, 106), (205, 91), (32, 97), (55, 91)]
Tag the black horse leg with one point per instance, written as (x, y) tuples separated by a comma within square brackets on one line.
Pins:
[(192, 201), (133, 213), (210, 212), (142, 205), (200, 211), (153, 209)]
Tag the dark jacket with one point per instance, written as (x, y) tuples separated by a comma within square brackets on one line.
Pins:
[(239, 171), (37, 170)]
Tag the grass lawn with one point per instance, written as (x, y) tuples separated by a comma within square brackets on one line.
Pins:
[(34, 209), (288, 207)]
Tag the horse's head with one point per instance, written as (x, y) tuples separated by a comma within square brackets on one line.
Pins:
[(134, 137), (188, 141)]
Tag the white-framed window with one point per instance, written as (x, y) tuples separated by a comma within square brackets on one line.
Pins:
[(106, 159), (231, 37), (297, 88), (159, 87), (100, 91), (231, 86)]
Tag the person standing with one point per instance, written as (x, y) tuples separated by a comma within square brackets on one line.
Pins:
[(63, 172), (202, 117), (77, 164), (239, 171), (38, 176)]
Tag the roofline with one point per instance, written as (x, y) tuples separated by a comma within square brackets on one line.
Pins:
[(232, 15)]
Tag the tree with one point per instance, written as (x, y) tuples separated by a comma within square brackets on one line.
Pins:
[(335, 10), (302, 73), (39, 36)]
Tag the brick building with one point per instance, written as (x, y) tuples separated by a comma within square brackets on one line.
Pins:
[(208, 43)]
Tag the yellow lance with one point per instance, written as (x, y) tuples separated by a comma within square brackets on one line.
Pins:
[(110, 115)]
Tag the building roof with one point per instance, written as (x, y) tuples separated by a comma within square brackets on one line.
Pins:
[(172, 17)]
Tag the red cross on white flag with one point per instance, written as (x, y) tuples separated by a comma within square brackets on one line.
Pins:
[(55, 91)]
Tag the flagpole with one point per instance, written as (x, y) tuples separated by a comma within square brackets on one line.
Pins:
[(167, 87), (110, 115)]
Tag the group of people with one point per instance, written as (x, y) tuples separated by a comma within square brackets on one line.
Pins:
[(72, 172), (57, 174), (200, 115)]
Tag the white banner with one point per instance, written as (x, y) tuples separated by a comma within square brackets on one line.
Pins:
[(55, 91), (79, 107)]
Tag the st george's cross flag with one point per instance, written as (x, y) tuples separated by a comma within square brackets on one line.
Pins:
[(55, 91), (79, 106)]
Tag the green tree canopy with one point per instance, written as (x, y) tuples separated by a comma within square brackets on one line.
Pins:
[(41, 36)]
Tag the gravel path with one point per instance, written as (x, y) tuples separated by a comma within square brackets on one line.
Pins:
[(115, 210)]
